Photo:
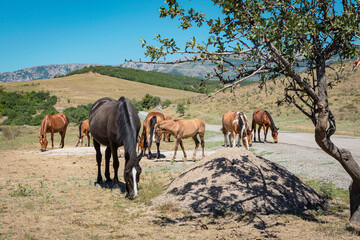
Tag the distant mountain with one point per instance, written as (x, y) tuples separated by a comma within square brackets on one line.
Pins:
[(41, 72)]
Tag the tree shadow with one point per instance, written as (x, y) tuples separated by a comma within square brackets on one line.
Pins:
[(268, 188)]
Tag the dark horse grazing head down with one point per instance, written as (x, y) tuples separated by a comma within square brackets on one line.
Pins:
[(114, 124)]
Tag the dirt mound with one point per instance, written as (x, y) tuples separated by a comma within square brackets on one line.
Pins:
[(238, 180)]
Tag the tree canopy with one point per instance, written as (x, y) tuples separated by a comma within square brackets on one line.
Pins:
[(276, 38)]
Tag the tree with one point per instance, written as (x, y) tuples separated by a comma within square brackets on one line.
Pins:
[(275, 38), (180, 109)]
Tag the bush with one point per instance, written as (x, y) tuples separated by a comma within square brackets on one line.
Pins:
[(166, 103), (78, 114), (180, 109)]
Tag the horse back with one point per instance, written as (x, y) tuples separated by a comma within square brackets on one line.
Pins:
[(191, 127), (228, 124)]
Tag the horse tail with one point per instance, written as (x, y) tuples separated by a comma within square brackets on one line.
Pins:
[(80, 129), (273, 127), (153, 121)]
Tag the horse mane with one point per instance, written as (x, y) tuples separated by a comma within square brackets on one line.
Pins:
[(240, 123), (273, 127), (127, 129), (43, 126)]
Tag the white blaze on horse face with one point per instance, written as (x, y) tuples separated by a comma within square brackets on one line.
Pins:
[(134, 180)]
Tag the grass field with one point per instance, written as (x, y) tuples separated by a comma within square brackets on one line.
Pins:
[(49, 196)]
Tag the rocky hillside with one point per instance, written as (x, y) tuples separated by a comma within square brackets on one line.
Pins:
[(41, 72)]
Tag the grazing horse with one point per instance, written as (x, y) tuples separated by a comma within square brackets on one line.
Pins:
[(147, 136), (53, 124), (182, 129), (114, 124), (84, 129), (166, 134), (236, 123), (263, 119)]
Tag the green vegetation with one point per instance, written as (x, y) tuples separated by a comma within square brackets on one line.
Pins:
[(154, 78), (26, 107), (78, 114), (180, 109), (148, 102)]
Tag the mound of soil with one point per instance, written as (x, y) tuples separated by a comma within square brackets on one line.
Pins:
[(238, 180)]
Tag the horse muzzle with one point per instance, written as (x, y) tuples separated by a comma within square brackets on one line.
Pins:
[(42, 150), (132, 196)]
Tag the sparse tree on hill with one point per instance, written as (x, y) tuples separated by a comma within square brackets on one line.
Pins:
[(276, 38)]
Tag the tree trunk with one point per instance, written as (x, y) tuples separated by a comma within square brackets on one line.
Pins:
[(323, 132)]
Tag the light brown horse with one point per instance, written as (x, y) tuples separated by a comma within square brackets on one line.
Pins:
[(167, 136), (84, 129), (147, 136), (182, 129), (357, 63), (263, 119), (53, 124), (236, 123)]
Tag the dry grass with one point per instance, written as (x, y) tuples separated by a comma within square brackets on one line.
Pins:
[(344, 102), (87, 88)]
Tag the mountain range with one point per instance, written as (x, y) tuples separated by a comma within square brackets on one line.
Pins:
[(41, 72)]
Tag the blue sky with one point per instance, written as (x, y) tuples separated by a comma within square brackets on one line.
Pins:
[(41, 32)]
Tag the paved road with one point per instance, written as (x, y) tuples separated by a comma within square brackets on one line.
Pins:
[(305, 139)]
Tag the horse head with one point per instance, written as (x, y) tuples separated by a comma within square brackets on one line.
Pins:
[(274, 134), (43, 142), (249, 136), (132, 177)]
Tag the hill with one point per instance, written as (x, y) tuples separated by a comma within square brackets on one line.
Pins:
[(41, 72), (344, 101), (82, 89), (150, 77)]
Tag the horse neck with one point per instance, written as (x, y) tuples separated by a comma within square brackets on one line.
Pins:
[(44, 127), (272, 124), (169, 126)]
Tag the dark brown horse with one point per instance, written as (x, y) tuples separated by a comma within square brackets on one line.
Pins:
[(182, 129), (114, 124), (167, 136), (236, 123), (53, 124), (263, 119), (84, 129), (147, 136)]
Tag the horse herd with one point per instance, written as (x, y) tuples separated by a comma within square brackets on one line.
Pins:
[(115, 123)]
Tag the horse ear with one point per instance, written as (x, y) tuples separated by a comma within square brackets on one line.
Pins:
[(176, 119), (39, 137)]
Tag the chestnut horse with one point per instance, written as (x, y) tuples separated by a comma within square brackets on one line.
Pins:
[(114, 124), (147, 136), (236, 123), (84, 128), (53, 124), (167, 135), (263, 119), (182, 129)]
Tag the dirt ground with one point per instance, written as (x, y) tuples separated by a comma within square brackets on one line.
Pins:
[(51, 196)]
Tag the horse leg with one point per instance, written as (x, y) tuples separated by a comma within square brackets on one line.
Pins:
[(234, 139), (88, 137), (253, 128), (265, 132), (230, 139), (239, 139), (98, 160), (259, 133), (115, 165), (202, 143), (196, 146), (225, 140), (183, 149), (158, 149), (176, 147), (149, 147), (107, 164), (52, 139)]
